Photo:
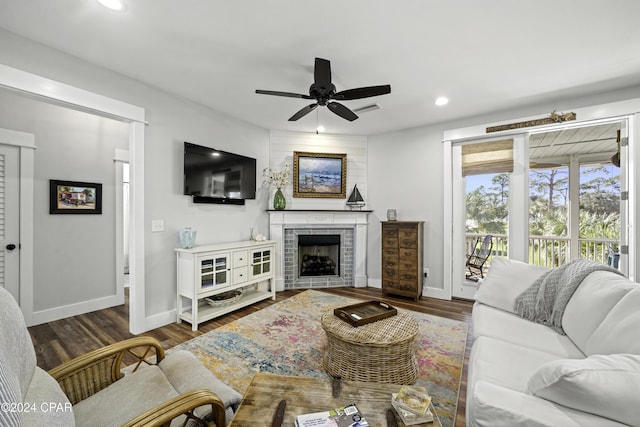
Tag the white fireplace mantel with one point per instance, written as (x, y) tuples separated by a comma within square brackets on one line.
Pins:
[(279, 220)]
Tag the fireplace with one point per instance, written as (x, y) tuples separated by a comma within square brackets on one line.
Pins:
[(319, 255), (288, 226)]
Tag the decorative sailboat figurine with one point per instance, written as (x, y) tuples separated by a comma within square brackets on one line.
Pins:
[(355, 200)]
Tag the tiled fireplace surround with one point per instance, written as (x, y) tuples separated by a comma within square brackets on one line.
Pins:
[(285, 226)]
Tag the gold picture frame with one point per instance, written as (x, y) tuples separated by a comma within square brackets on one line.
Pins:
[(319, 175)]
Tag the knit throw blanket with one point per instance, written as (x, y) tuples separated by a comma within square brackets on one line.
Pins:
[(545, 300)]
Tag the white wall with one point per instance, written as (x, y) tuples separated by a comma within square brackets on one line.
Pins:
[(282, 146), (405, 173), (171, 120), (74, 254)]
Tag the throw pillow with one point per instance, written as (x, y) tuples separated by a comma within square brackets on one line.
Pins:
[(506, 280), (604, 385)]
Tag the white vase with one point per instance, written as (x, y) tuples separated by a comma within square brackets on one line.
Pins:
[(188, 238)]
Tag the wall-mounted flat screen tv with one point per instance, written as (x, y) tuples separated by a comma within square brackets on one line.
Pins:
[(216, 176)]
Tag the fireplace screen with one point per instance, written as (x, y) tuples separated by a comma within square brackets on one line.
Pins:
[(319, 255)]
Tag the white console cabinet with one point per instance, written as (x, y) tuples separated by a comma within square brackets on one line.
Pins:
[(207, 271)]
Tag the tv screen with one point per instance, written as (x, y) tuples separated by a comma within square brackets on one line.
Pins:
[(217, 174)]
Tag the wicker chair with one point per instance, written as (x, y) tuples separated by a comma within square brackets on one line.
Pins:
[(92, 390), (478, 256)]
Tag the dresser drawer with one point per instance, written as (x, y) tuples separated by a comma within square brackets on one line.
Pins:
[(390, 242), (407, 264), (390, 273), (390, 262), (408, 275), (407, 286), (390, 283), (407, 254), (388, 231), (407, 243), (408, 233), (389, 252)]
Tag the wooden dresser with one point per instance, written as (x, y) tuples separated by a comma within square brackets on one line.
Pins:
[(402, 258)]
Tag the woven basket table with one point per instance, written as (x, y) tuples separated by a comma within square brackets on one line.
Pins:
[(380, 351)]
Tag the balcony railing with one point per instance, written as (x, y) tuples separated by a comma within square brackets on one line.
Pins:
[(552, 251)]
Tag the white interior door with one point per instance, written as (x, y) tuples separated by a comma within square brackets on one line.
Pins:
[(9, 220)]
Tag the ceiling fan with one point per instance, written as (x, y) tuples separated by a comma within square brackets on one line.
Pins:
[(324, 92)]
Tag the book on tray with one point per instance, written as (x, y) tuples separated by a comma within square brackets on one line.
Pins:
[(344, 416), (410, 418), (413, 399)]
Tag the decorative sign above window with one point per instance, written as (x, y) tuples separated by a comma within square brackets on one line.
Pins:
[(553, 118)]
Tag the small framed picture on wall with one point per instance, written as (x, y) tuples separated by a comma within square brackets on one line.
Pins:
[(73, 197)]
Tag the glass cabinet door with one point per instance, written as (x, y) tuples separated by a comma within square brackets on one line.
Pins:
[(260, 262), (214, 272)]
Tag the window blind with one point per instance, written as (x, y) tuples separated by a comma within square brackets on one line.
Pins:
[(487, 157)]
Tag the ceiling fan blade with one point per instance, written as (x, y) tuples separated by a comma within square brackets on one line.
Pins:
[(362, 92), (322, 74), (287, 94), (303, 112), (342, 111)]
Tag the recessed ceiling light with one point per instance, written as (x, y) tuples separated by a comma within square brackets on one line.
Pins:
[(443, 100), (112, 4)]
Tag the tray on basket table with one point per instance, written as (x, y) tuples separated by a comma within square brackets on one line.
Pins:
[(365, 312)]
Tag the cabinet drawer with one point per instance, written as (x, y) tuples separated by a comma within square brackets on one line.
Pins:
[(390, 284), (240, 258), (411, 275), (390, 262), (407, 286), (407, 265), (390, 273), (405, 254), (389, 252), (408, 233), (240, 275), (389, 231), (408, 243), (389, 242)]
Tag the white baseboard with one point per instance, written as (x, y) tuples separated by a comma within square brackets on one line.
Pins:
[(437, 293), (427, 291), (160, 319), (57, 313), (375, 283)]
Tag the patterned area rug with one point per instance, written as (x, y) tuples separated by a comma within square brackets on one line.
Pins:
[(287, 338)]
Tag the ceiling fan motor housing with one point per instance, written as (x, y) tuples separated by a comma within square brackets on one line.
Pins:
[(322, 94)]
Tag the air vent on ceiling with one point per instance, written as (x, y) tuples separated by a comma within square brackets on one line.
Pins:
[(367, 108)]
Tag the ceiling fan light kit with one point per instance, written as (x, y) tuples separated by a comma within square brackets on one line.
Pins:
[(323, 91)]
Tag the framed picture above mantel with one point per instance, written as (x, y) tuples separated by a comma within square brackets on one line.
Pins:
[(74, 197), (320, 175)]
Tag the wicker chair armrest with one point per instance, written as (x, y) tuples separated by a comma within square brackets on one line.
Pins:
[(85, 375), (184, 404)]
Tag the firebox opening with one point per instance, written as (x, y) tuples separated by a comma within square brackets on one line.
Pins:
[(319, 255)]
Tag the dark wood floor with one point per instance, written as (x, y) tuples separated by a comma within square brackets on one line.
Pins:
[(62, 340)]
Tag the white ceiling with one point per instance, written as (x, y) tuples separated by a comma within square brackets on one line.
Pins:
[(489, 55)]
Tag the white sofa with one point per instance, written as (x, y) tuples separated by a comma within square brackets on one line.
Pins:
[(525, 374)]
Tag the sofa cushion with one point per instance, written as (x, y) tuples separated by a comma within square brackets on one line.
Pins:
[(505, 364), (490, 405), (53, 409), (491, 322), (599, 292), (619, 332), (506, 280), (124, 404), (185, 372), (608, 386)]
